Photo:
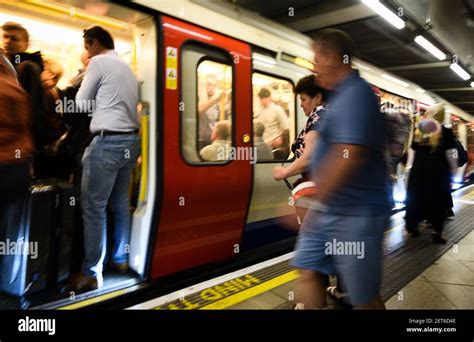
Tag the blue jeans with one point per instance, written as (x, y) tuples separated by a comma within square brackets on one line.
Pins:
[(107, 166)]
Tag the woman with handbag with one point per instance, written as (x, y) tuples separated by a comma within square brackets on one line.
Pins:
[(312, 99)]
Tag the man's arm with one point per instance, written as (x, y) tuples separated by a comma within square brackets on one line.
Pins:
[(282, 119), (204, 105), (339, 164), (88, 90)]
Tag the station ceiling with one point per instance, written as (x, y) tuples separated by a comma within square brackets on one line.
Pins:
[(447, 24)]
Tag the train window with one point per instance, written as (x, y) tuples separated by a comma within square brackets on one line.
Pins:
[(401, 110), (455, 121), (273, 117), (206, 132), (470, 147)]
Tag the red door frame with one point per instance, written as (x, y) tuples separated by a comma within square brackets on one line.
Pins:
[(209, 225)]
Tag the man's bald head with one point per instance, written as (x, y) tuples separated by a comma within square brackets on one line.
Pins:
[(337, 42), (333, 53), (222, 130)]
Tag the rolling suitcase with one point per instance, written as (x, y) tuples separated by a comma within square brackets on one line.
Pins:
[(45, 230), (25, 271), (65, 208)]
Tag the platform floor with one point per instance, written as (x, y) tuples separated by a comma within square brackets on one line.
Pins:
[(417, 274), (447, 284)]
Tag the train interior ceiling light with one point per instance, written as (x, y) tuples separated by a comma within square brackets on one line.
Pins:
[(55, 9)]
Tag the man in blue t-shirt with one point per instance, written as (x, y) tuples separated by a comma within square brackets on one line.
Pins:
[(342, 234)]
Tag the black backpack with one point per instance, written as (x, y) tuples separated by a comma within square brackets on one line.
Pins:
[(462, 154)]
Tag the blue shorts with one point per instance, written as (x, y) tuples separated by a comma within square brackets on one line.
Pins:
[(347, 246)]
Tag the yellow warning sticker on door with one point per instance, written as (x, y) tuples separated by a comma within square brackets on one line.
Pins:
[(171, 78), (171, 57), (171, 68)]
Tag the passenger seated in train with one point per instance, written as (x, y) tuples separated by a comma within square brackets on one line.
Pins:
[(47, 124), (263, 151), (220, 147), (273, 118)]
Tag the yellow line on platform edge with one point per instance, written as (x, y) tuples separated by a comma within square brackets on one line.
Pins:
[(93, 300), (252, 292)]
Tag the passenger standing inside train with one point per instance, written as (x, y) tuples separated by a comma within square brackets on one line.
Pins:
[(50, 163), (111, 90), (209, 110), (348, 169), (273, 117), (47, 124), (79, 136), (429, 190), (51, 75), (16, 149), (28, 65)]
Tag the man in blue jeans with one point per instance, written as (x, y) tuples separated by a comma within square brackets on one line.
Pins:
[(110, 89), (342, 233)]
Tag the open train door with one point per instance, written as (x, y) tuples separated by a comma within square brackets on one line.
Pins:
[(204, 198)]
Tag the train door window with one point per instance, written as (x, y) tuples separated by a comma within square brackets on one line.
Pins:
[(400, 110), (274, 117), (206, 121)]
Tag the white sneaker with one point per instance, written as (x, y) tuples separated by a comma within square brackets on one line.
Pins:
[(332, 291), (299, 306)]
